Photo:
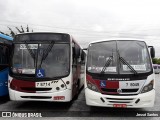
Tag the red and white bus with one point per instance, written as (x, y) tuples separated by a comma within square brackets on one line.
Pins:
[(119, 73), (45, 67)]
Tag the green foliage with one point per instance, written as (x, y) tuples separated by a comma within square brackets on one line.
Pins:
[(156, 60)]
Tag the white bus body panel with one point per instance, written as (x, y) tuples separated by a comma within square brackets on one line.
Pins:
[(17, 96), (66, 91), (146, 99), (94, 99)]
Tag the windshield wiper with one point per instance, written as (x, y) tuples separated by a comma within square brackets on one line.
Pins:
[(46, 52), (30, 51), (106, 64), (126, 63)]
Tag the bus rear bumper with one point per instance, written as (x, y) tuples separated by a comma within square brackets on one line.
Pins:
[(61, 96), (132, 101)]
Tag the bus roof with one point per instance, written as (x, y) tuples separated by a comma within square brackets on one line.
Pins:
[(51, 33), (41, 33), (118, 39), (5, 37), (40, 36)]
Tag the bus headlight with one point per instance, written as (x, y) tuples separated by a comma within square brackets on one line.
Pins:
[(92, 86), (148, 87)]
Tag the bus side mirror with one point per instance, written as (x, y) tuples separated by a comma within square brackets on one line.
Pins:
[(82, 56), (77, 52), (152, 51), (73, 50)]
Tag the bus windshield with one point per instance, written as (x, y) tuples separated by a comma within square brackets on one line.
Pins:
[(109, 57), (27, 58)]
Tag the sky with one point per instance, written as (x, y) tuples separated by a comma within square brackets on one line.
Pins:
[(86, 20)]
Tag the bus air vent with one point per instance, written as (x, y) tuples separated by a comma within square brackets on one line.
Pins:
[(35, 89), (37, 97)]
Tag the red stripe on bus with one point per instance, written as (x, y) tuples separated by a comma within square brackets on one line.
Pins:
[(96, 82), (19, 85), (112, 84)]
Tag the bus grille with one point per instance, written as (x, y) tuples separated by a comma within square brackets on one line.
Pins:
[(120, 100), (37, 97), (29, 89), (114, 91)]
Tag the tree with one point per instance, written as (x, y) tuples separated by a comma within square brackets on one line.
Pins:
[(21, 30), (11, 33), (156, 60), (3, 33)]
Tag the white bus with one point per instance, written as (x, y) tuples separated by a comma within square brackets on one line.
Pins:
[(45, 67), (119, 73), (156, 68)]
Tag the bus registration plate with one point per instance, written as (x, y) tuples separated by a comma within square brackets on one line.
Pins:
[(44, 84), (119, 105)]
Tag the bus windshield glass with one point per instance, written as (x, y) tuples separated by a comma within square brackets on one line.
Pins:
[(107, 57), (99, 54), (52, 59)]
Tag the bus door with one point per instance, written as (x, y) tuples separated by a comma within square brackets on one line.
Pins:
[(75, 68)]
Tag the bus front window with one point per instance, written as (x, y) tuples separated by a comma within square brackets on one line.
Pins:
[(102, 57), (57, 62), (121, 56), (26, 62), (23, 63), (135, 54)]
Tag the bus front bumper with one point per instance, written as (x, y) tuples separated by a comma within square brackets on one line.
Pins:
[(131, 101), (60, 96)]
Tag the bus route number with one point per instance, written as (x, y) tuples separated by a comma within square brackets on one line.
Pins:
[(45, 84), (132, 84)]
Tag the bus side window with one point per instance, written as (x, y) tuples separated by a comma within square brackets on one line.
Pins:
[(82, 57), (1, 57), (4, 54), (77, 53), (73, 53)]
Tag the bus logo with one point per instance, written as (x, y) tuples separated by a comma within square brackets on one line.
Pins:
[(103, 83), (119, 90), (40, 73)]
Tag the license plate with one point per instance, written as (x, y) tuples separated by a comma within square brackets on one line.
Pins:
[(59, 97), (44, 84), (119, 105)]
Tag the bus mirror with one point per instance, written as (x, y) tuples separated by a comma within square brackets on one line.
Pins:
[(77, 53), (82, 56), (152, 51)]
